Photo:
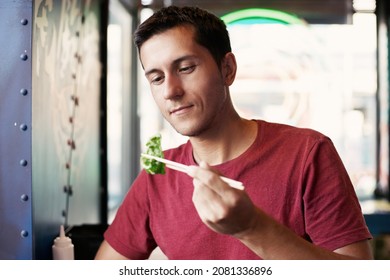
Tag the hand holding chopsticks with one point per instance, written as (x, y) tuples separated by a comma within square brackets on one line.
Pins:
[(184, 168)]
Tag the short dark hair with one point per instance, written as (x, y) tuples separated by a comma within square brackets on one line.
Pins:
[(210, 31)]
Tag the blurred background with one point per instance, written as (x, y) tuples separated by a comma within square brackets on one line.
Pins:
[(76, 111)]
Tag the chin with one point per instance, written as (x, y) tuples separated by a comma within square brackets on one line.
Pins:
[(187, 131), (190, 129)]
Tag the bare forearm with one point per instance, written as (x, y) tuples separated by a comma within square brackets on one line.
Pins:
[(229, 211), (106, 252), (271, 240)]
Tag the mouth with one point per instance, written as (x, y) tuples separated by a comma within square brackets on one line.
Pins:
[(180, 110)]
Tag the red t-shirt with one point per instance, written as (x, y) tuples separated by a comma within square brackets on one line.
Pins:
[(295, 175)]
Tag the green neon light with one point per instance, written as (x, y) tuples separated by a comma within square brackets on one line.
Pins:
[(257, 13)]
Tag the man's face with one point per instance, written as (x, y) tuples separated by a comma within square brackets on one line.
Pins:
[(185, 81)]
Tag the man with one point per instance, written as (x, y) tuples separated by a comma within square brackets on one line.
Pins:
[(298, 201)]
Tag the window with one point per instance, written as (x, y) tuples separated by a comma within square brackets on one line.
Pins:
[(317, 76), (320, 76), (118, 104)]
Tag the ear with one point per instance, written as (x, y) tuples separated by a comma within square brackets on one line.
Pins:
[(229, 68)]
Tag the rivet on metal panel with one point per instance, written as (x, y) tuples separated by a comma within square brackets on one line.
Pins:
[(24, 21), (24, 91), (23, 162), (24, 56), (24, 197), (23, 127), (24, 233)]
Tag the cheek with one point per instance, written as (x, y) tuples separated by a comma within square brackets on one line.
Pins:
[(213, 89), (159, 101), (156, 92), (207, 84), (161, 105)]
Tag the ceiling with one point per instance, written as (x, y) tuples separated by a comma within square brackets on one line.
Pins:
[(312, 11)]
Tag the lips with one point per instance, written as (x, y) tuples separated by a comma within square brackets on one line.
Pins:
[(179, 110)]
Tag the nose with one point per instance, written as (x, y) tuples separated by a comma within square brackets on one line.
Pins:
[(173, 87)]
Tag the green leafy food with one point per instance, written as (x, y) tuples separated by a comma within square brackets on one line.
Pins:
[(154, 148)]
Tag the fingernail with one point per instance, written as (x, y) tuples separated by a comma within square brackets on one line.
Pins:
[(191, 170)]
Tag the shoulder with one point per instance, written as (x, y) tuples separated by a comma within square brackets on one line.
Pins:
[(285, 129), (284, 134)]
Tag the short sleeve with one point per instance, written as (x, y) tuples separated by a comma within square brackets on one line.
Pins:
[(333, 216), (130, 233)]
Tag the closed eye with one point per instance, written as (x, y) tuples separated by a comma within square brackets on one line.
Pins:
[(187, 69), (157, 80)]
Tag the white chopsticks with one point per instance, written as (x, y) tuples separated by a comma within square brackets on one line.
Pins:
[(184, 168)]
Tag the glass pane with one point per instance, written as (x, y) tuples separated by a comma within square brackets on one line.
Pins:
[(316, 76), (118, 107)]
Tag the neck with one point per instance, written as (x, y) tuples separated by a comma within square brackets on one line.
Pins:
[(226, 142)]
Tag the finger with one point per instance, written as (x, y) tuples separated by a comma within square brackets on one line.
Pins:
[(207, 202), (211, 207), (219, 213), (209, 177)]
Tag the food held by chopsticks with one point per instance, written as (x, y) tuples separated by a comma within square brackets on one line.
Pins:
[(154, 148), (184, 168)]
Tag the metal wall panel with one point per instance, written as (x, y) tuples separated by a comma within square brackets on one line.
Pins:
[(15, 130)]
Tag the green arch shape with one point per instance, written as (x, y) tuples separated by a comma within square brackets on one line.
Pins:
[(259, 15)]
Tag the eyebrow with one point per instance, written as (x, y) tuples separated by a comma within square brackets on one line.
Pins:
[(175, 62)]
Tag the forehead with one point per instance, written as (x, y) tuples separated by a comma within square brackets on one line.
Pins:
[(169, 45)]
